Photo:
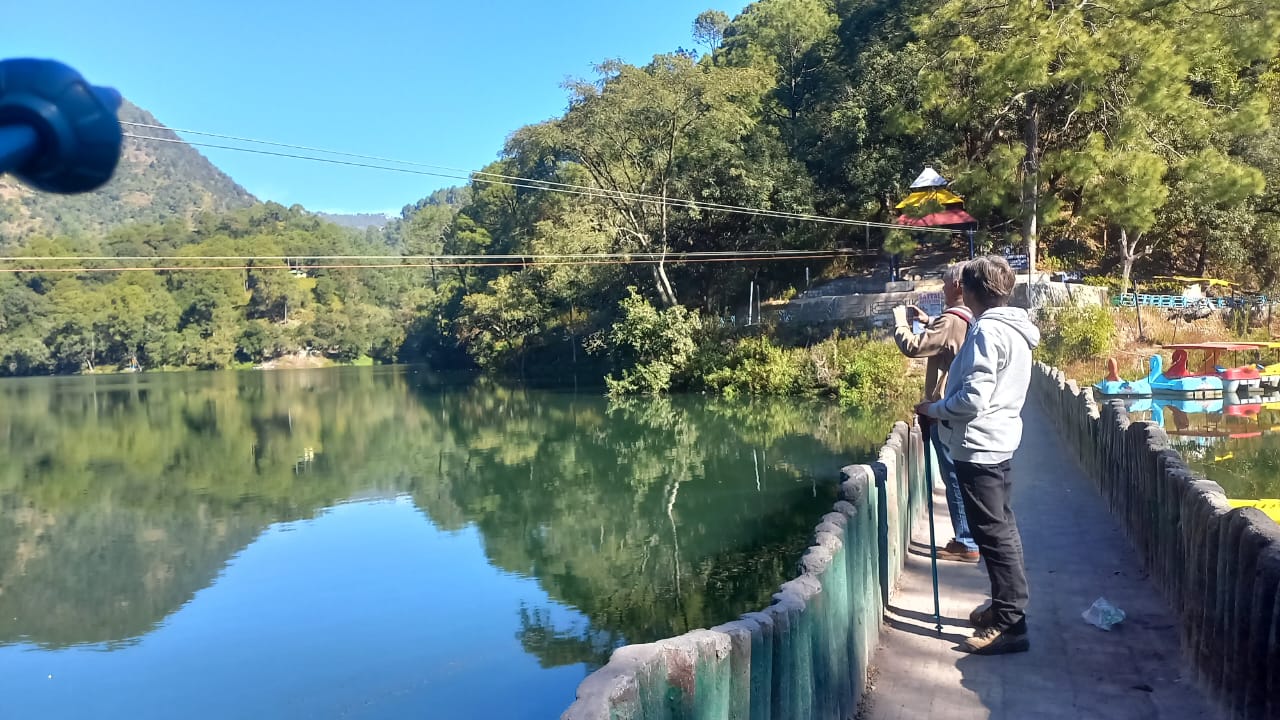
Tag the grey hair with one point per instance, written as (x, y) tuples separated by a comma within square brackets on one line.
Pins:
[(989, 279), (952, 274)]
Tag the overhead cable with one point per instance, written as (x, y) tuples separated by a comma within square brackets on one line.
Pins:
[(496, 178), (392, 266), (524, 257)]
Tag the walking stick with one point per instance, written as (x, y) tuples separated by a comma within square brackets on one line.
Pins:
[(927, 442)]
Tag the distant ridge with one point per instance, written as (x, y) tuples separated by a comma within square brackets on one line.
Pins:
[(358, 221)]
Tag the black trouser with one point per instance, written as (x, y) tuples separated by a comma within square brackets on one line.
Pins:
[(986, 490)]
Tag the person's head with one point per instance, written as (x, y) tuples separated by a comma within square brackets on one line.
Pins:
[(987, 282), (952, 292)]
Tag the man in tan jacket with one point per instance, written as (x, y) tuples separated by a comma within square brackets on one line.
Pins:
[(940, 341)]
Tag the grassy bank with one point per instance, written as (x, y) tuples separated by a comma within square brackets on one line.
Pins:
[(1080, 340)]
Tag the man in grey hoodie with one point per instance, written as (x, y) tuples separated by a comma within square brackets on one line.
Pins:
[(980, 419)]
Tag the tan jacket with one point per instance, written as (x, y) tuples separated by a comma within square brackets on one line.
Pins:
[(940, 342)]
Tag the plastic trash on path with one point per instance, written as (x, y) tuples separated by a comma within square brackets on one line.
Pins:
[(1103, 615)]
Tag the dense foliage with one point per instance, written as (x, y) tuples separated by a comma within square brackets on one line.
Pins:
[(1120, 135), (53, 321), (1125, 135), (676, 349), (1073, 334)]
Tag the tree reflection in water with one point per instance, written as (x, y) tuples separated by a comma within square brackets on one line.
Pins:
[(121, 497)]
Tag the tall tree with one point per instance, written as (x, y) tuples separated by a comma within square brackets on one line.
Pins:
[(792, 41), (652, 131), (709, 27), (1035, 84)]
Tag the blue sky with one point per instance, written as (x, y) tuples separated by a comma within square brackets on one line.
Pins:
[(428, 81)]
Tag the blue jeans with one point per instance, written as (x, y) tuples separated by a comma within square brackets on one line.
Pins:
[(955, 502)]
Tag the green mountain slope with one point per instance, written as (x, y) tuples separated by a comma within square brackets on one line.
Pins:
[(154, 182)]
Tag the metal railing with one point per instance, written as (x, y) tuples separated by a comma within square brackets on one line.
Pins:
[(1178, 302)]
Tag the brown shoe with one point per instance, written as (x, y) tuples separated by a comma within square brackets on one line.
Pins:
[(992, 641), (982, 616), (958, 553)]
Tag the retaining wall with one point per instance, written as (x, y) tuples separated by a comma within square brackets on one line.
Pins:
[(807, 654), (872, 308), (1219, 567)]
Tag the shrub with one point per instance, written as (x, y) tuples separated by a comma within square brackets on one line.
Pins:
[(670, 349), (653, 345), (756, 366), (872, 373), (1159, 287), (866, 373), (1076, 333)]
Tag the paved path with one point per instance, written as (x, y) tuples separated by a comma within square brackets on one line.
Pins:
[(1075, 552)]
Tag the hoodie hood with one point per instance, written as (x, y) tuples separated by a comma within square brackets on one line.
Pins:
[(1017, 319)]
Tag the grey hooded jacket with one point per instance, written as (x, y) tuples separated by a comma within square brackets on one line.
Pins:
[(980, 412)]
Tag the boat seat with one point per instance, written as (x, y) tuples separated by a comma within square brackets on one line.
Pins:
[(1113, 374), (1177, 368)]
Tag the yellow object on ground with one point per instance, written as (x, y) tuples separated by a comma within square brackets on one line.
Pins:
[(1269, 506)]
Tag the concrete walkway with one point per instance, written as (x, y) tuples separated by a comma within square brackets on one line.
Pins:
[(1075, 552)]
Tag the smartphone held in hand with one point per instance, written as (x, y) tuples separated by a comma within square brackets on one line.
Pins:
[(900, 315)]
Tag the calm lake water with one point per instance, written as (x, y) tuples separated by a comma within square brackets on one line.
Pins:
[(371, 543), (1244, 458)]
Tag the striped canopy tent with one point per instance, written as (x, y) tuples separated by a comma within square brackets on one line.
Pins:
[(930, 190)]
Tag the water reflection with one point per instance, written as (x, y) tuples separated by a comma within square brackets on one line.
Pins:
[(217, 524), (1236, 444)]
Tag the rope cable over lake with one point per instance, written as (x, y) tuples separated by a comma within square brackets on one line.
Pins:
[(499, 179), (528, 262)]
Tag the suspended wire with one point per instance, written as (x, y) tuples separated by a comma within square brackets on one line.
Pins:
[(583, 188), (587, 192), (668, 256), (391, 266), (529, 184), (498, 178)]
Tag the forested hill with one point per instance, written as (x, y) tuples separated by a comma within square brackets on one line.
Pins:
[(1139, 137), (155, 182)]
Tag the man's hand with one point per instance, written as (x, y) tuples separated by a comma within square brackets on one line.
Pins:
[(900, 316), (923, 408), (915, 313)]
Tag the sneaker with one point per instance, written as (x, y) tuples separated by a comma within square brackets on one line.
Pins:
[(958, 553), (993, 641), (982, 616)]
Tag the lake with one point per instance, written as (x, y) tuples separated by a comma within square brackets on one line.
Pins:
[(377, 542), (1236, 445)]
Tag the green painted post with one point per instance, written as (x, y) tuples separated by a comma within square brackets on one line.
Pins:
[(742, 637), (836, 584), (792, 602), (762, 659), (652, 682), (712, 677), (822, 686), (784, 666)]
